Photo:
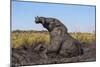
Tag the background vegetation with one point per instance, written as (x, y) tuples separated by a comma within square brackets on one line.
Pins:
[(19, 38)]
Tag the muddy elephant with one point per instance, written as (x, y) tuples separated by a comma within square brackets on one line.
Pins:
[(60, 40)]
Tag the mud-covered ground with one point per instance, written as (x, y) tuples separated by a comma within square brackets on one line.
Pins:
[(33, 55)]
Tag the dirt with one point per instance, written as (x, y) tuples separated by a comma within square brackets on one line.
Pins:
[(29, 55)]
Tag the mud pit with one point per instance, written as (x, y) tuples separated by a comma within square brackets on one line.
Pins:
[(28, 55)]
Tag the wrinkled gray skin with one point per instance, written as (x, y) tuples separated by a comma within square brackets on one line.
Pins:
[(61, 42)]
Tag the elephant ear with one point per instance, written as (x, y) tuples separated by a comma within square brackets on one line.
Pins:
[(43, 20), (52, 25)]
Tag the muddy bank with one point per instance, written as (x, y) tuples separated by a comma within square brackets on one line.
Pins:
[(30, 55)]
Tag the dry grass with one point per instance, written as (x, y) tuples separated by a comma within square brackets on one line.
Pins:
[(33, 37), (84, 37)]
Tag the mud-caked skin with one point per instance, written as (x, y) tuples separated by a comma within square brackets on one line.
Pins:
[(60, 41)]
